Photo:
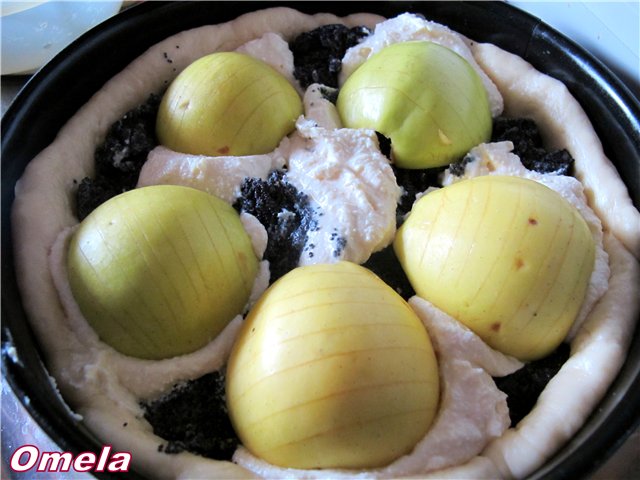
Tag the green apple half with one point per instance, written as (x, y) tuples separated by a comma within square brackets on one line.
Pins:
[(332, 369), (424, 97), (508, 257), (159, 271), (227, 103)]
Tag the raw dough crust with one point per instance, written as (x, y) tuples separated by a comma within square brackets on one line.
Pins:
[(45, 193)]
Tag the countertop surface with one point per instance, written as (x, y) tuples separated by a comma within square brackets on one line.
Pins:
[(19, 429)]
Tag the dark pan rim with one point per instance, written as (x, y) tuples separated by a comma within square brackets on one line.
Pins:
[(613, 109)]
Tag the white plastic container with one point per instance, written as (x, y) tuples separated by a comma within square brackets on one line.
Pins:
[(33, 32)]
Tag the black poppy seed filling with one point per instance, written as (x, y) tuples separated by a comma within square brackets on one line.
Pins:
[(385, 265), (119, 159), (413, 182), (527, 144), (194, 417), (329, 93), (524, 386), (318, 53), (286, 214)]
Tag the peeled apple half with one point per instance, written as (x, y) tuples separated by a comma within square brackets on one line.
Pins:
[(159, 271), (227, 103), (508, 257), (424, 97), (332, 369)]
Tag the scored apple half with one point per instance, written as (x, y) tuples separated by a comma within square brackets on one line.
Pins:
[(424, 97), (332, 369), (227, 103), (160, 271), (506, 256)]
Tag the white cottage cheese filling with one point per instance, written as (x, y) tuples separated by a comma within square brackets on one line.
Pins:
[(219, 176), (352, 184), (320, 110), (273, 50)]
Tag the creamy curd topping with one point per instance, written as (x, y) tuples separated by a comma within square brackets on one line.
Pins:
[(352, 183), (256, 231), (273, 50), (219, 176), (319, 109)]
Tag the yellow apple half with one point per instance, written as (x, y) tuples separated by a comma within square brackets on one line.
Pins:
[(508, 257), (159, 271), (424, 97), (227, 103), (332, 369)]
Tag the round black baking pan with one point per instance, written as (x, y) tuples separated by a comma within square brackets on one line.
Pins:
[(62, 86)]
